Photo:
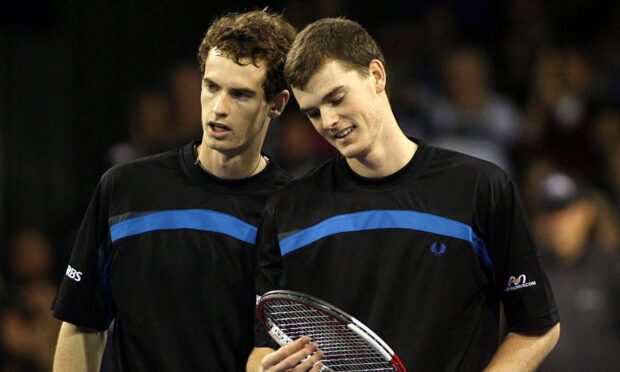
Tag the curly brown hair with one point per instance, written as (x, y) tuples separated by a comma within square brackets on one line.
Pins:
[(330, 39), (260, 35)]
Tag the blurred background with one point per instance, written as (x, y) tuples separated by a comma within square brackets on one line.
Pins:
[(531, 85)]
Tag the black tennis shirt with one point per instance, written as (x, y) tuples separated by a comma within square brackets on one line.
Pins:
[(167, 251), (423, 257)]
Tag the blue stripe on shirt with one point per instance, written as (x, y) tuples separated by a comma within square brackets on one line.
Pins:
[(196, 219), (386, 219)]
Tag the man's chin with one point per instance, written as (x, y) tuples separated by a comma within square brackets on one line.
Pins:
[(351, 152), (217, 145), (227, 148)]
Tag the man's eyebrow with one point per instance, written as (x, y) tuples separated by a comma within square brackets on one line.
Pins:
[(244, 90), (329, 96), (207, 80)]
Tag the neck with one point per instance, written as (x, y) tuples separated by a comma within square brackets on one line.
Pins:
[(238, 166), (391, 151)]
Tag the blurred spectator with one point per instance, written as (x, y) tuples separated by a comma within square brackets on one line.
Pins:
[(30, 257), (470, 117), (414, 46), (527, 28), (299, 148), (27, 330), (606, 231), (605, 142), (150, 122), (185, 86), (614, 174), (561, 108), (584, 277), (533, 174), (606, 132), (607, 228), (160, 120)]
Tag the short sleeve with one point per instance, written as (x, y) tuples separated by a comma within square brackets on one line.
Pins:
[(519, 276), (84, 297)]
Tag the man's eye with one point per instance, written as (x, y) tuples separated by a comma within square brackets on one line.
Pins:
[(314, 114), (337, 101), (240, 95)]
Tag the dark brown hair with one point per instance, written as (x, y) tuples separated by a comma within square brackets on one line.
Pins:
[(330, 38), (260, 36)]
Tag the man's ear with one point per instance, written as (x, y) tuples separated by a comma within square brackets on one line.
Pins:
[(377, 72), (278, 103)]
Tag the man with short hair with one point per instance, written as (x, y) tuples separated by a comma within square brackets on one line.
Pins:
[(166, 248), (419, 243)]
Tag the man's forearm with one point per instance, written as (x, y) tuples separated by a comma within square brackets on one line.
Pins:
[(524, 351), (79, 349)]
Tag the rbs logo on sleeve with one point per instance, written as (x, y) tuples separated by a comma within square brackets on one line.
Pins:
[(73, 274)]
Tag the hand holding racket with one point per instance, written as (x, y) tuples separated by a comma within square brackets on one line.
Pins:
[(300, 355), (345, 343)]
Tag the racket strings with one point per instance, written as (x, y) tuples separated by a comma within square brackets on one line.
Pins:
[(343, 349)]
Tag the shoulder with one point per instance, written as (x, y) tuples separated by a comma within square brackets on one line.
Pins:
[(473, 181), (140, 169), (466, 168)]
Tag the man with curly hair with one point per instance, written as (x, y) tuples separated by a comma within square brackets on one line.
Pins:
[(166, 246)]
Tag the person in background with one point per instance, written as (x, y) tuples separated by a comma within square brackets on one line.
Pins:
[(184, 88), (150, 128), (471, 117), (27, 329), (585, 277)]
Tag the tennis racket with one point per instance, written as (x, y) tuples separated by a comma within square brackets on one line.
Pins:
[(346, 343)]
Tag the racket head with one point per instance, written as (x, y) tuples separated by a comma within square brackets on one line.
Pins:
[(346, 343)]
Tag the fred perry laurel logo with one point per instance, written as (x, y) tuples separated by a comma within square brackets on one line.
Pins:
[(438, 248), (518, 282)]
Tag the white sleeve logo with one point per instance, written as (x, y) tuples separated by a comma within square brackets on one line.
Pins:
[(73, 274), (518, 282)]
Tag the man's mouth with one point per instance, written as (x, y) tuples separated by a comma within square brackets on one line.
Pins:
[(218, 127), (343, 133)]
